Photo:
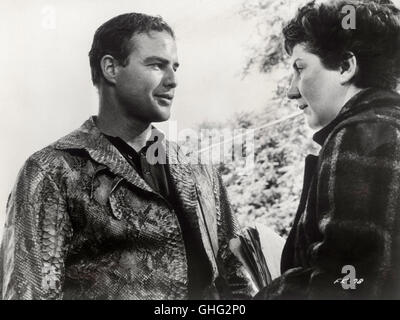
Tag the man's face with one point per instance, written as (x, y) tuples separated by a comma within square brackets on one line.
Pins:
[(145, 87), (318, 89)]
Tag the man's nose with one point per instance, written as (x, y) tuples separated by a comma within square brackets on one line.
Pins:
[(170, 80), (293, 92)]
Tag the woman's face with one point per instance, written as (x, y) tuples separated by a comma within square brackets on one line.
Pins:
[(318, 90)]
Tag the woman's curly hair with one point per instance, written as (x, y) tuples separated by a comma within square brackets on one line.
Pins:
[(375, 41)]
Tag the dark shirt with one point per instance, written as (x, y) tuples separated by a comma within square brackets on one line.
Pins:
[(157, 176), (154, 175)]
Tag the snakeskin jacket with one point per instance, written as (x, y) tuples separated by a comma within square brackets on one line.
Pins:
[(82, 224)]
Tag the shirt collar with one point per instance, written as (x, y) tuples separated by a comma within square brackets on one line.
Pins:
[(156, 135), (362, 100)]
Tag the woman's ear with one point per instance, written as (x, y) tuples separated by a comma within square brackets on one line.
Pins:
[(348, 68), (109, 68)]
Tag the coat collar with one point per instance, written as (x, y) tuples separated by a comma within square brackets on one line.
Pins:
[(365, 99), (90, 139)]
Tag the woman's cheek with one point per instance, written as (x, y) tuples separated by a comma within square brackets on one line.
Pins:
[(312, 89)]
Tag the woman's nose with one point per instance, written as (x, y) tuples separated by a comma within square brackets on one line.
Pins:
[(293, 92)]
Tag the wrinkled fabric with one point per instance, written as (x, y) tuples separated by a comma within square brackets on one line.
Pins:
[(82, 224), (349, 213), (158, 178)]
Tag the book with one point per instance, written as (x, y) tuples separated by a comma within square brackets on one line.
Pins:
[(247, 248)]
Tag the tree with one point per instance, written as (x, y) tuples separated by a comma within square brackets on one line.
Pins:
[(269, 194)]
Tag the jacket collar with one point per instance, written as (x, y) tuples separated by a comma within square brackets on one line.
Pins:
[(90, 139), (365, 99)]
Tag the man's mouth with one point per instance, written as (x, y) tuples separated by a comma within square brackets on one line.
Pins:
[(303, 106), (165, 96), (164, 99)]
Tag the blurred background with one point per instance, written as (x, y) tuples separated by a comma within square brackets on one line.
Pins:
[(233, 74)]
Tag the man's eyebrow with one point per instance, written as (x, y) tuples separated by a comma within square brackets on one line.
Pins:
[(162, 60)]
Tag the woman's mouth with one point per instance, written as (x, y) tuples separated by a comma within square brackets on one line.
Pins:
[(303, 106)]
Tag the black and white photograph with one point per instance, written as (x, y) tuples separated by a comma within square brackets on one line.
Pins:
[(231, 150)]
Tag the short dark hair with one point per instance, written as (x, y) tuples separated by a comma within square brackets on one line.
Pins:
[(375, 42), (113, 38)]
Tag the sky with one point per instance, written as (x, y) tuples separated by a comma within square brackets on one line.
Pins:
[(46, 91)]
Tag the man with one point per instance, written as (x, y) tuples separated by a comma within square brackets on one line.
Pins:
[(91, 218)]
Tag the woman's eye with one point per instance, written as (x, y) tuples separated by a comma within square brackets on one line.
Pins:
[(299, 69)]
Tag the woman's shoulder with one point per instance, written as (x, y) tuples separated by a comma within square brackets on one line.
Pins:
[(375, 118)]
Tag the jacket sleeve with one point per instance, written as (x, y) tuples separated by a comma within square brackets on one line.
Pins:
[(239, 281), (35, 237), (357, 216)]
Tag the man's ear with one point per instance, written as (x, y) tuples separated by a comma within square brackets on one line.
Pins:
[(348, 68), (109, 68)]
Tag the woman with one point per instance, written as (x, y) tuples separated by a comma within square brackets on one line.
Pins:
[(345, 240)]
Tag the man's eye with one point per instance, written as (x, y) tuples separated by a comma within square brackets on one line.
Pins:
[(156, 65)]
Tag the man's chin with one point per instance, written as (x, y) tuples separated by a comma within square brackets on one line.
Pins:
[(161, 120), (162, 116)]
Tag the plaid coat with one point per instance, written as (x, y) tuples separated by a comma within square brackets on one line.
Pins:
[(82, 224), (349, 213)]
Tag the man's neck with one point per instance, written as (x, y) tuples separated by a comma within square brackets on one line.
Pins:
[(111, 122)]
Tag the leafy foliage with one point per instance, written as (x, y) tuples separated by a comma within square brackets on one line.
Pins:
[(270, 192), (266, 46)]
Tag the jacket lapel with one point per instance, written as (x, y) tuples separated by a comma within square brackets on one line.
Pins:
[(89, 138), (288, 254), (186, 188)]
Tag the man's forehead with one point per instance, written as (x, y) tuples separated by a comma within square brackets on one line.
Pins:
[(153, 40)]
